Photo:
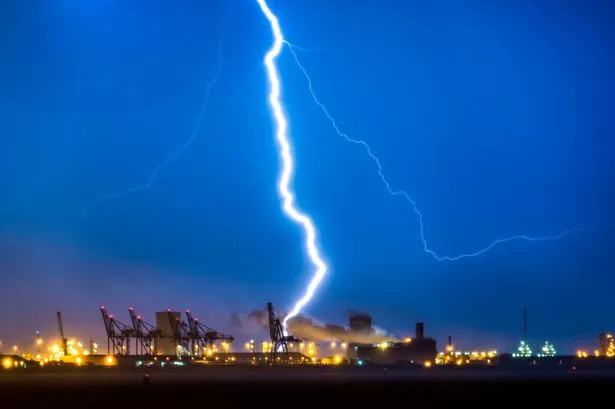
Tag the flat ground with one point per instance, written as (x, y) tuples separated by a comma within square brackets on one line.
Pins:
[(289, 387)]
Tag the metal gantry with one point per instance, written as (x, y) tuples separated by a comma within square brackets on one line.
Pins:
[(203, 337), (180, 333), (146, 335), (118, 334), (279, 350), (188, 338)]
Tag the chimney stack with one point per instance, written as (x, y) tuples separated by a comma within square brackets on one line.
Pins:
[(420, 330)]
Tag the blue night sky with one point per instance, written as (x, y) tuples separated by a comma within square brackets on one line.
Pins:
[(495, 116)]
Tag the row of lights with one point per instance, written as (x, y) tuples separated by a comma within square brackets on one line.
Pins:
[(581, 353), (460, 358), (8, 363), (310, 349)]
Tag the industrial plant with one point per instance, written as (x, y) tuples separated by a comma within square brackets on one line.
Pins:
[(179, 339)]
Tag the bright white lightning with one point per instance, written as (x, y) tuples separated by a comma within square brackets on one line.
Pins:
[(403, 193), (288, 198)]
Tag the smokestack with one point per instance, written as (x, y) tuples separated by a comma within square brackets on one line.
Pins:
[(450, 341), (420, 330)]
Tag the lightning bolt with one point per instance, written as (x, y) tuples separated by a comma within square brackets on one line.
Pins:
[(284, 189), (177, 153), (403, 193)]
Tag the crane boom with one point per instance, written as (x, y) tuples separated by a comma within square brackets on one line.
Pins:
[(61, 329)]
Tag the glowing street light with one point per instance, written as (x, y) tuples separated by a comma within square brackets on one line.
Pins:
[(7, 363)]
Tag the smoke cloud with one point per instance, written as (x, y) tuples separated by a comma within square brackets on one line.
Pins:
[(235, 320), (260, 317), (305, 328)]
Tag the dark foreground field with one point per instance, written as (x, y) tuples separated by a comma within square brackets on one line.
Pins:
[(296, 387)]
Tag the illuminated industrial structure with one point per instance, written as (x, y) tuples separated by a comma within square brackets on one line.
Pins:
[(172, 339), (524, 351), (39, 343), (418, 350), (118, 334), (203, 338), (279, 340), (459, 358), (170, 335), (198, 347), (547, 350), (146, 335), (191, 338), (180, 334), (607, 345), (61, 331), (166, 343)]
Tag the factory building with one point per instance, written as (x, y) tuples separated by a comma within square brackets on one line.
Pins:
[(360, 323), (166, 343), (418, 350)]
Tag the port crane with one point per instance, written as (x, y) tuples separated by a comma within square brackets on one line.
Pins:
[(201, 336), (146, 335), (61, 330), (180, 332), (279, 340), (118, 334)]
